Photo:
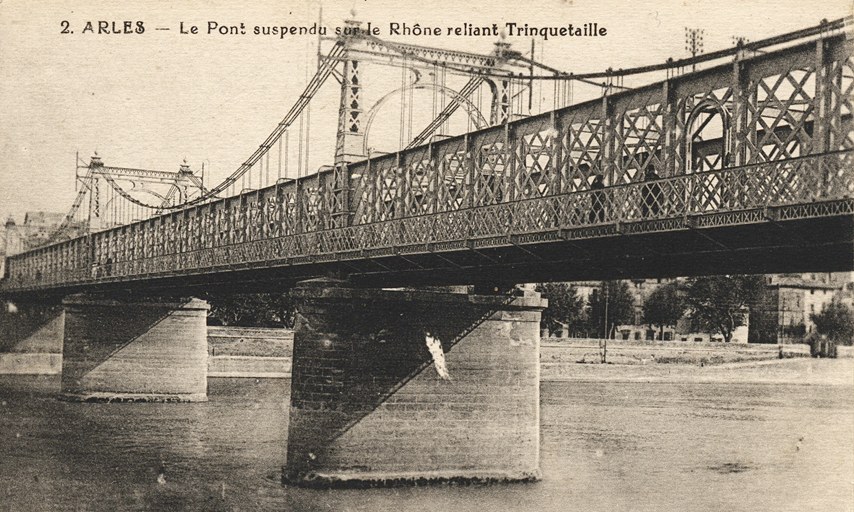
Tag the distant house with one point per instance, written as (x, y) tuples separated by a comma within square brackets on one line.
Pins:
[(684, 330), (36, 230), (783, 314), (641, 289)]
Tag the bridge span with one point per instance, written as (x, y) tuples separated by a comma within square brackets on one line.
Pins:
[(793, 215), (740, 167)]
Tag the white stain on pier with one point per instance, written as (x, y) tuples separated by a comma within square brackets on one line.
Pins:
[(434, 345)]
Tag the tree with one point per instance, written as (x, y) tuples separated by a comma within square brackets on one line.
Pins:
[(566, 307), (719, 303), (835, 321), (610, 306), (251, 309), (664, 306)]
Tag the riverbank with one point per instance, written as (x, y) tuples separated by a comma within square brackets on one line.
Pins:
[(807, 371), (266, 353)]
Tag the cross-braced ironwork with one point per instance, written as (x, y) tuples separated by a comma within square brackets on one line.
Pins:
[(758, 139)]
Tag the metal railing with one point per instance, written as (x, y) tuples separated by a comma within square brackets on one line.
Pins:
[(819, 181)]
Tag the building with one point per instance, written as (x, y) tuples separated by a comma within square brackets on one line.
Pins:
[(37, 229), (783, 314), (684, 330)]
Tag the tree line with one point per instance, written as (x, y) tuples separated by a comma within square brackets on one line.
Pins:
[(714, 304)]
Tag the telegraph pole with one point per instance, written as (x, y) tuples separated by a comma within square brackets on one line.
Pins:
[(694, 43), (605, 338)]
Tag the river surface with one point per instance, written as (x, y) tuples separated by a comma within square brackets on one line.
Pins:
[(607, 445)]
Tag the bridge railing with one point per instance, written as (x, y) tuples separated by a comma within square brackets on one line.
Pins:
[(815, 182), (760, 108), (804, 180), (522, 178)]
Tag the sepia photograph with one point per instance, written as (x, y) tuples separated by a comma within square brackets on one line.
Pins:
[(375, 255)]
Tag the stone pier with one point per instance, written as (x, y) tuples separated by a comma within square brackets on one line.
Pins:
[(31, 338), (134, 350), (370, 407)]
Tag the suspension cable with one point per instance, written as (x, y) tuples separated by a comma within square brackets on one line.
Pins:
[(319, 78)]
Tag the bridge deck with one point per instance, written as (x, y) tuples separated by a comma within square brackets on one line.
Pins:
[(743, 167)]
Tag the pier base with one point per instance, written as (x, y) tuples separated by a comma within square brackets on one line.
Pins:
[(369, 403), (134, 351)]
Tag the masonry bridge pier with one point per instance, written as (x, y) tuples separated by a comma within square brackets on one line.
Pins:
[(388, 385), (743, 166), (373, 401)]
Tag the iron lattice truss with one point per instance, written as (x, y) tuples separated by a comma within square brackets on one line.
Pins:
[(760, 139)]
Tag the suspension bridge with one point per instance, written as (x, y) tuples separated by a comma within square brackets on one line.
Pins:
[(734, 161), (740, 166)]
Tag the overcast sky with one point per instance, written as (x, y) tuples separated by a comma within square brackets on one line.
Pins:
[(150, 100)]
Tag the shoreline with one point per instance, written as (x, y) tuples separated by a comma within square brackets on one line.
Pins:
[(799, 371), (564, 361)]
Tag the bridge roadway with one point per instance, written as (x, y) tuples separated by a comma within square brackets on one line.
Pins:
[(777, 218), (755, 159)]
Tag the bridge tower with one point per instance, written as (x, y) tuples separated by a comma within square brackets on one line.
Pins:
[(350, 137), (501, 107), (349, 142), (94, 219)]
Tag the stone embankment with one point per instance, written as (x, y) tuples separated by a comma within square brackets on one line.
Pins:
[(266, 353), (249, 352)]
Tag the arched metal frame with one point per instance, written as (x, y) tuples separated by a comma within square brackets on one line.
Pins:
[(707, 106), (474, 113)]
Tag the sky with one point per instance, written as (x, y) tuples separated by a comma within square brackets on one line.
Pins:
[(149, 100)]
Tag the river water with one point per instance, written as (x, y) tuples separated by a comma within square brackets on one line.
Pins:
[(609, 445)]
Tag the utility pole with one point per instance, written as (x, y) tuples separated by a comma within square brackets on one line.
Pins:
[(694, 43), (605, 338)]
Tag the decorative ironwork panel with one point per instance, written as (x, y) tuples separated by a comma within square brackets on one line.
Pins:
[(288, 201), (537, 215), (705, 119), (838, 81), (780, 106), (453, 177), (489, 220), (453, 225), (581, 143), (639, 141), (311, 205), (490, 173), (536, 174), (377, 194), (419, 182), (417, 230)]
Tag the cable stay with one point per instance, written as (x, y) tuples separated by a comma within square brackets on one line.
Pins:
[(167, 200), (491, 71), (446, 113), (69, 217), (319, 78), (323, 72)]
